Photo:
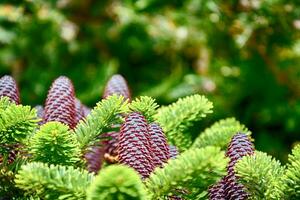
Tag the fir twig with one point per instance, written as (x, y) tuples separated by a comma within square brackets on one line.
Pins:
[(105, 114), (178, 117)]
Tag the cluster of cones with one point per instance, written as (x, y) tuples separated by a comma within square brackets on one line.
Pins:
[(138, 144)]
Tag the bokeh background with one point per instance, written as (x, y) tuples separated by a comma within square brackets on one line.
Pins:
[(244, 55)]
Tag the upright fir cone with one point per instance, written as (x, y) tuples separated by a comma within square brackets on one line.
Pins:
[(9, 88), (134, 147), (173, 151), (229, 187), (111, 146), (79, 110), (216, 192), (106, 149), (159, 146), (60, 103), (239, 146), (94, 158), (117, 85)]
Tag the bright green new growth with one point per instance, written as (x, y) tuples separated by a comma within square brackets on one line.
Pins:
[(53, 182), (4, 103), (101, 117), (194, 170), (54, 144), (178, 117), (16, 122), (292, 175), (117, 182), (220, 133), (146, 106), (261, 175)]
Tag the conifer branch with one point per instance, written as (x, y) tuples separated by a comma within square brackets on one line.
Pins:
[(16, 122), (7, 174), (193, 170), (220, 133), (4, 103), (117, 182), (54, 144), (261, 175), (146, 106), (53, 182), (292, 175), (178, 117), (101, 117)]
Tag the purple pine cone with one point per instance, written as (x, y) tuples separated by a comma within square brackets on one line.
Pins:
[(234, 190), (111, 146), (134, 147), (60, 103), (173, 151), (79, 109), (159, 146), (104, 150), (216, 192), (94, 158), (117, 85), (9, 88), (239, 146)]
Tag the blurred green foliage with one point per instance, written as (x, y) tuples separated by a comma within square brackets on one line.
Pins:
[(243, 54)]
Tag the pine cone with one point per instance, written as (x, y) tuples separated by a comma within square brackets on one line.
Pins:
[(60, 103), (9, 88), (94, 158), (159, 146), (173, 151), (106, 149), (79, 109), (117, 85), (217, 192), (134, 147), (111, 145), (228, 187), (239, 146), (234, 190)]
